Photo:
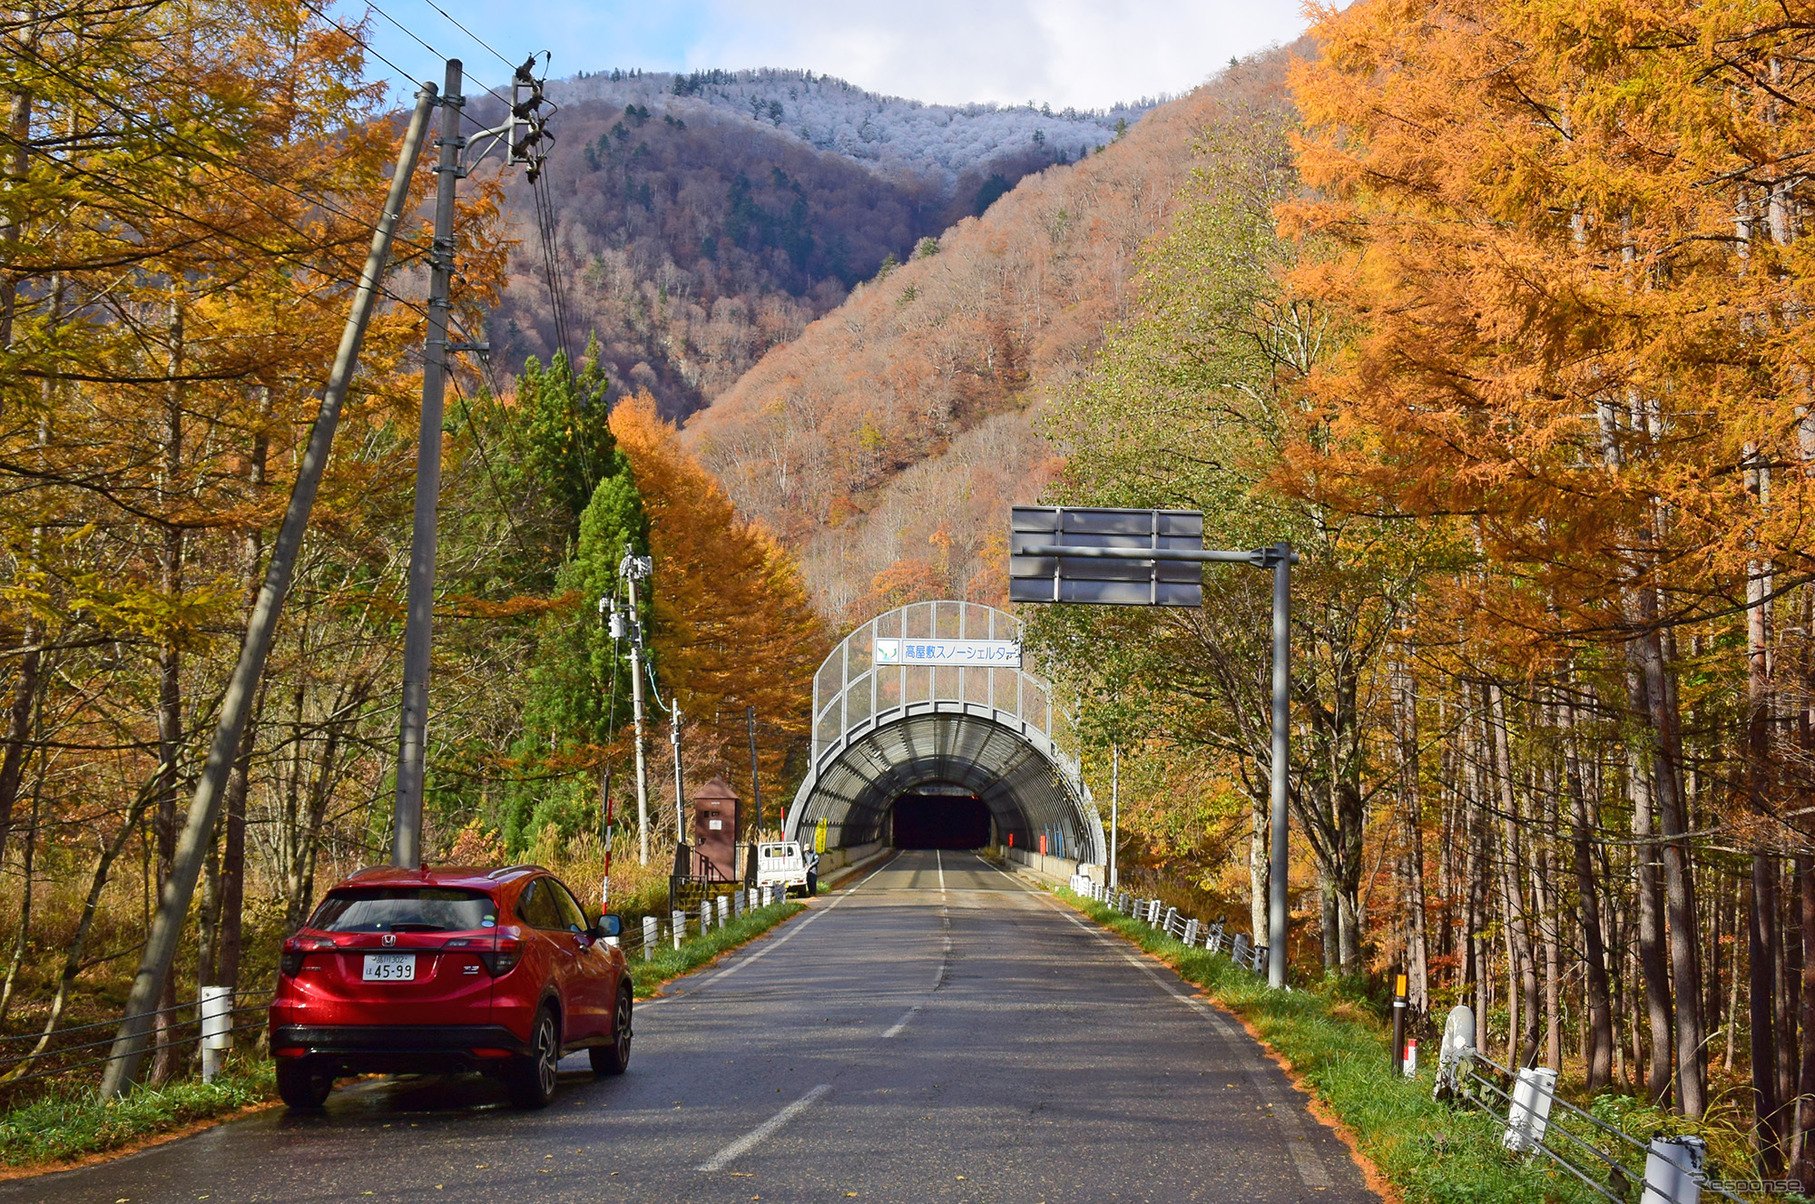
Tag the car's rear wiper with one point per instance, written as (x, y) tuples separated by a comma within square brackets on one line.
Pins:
[(409, 927)]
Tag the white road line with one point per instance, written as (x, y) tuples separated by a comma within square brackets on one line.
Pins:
[(1304, 1159), (762, 1132), (772, 946), (1311, 1170), (939, 861), (895, 1028), (945, 966)]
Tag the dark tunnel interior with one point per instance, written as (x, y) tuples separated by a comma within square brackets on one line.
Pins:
[(930, 821)]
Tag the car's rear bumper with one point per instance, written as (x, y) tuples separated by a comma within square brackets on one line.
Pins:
[(399, 1049)]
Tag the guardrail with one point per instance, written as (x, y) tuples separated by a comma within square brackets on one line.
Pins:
[(1607, 1160), (209, 1022), (1189, 931)]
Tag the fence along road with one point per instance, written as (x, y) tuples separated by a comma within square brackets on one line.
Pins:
[(937, 1032)]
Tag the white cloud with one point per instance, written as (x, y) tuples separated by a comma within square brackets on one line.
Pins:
[(1066, 52)]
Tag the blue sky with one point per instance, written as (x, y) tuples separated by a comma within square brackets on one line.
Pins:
[(1086, 53)]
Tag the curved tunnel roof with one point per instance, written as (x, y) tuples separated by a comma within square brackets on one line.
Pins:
[(979, 725)]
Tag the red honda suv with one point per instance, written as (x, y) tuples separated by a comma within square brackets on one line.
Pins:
[(436, 970)]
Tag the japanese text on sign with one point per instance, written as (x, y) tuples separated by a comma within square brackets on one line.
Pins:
[(984, 654)]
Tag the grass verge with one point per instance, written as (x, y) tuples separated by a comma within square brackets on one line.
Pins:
[(1427, 1151), (75, 1121), (670, 963)]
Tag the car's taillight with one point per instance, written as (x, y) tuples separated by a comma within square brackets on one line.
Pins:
[(506, 952), (299, 946)]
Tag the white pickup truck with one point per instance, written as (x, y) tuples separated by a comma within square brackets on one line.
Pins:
[(782, 864)]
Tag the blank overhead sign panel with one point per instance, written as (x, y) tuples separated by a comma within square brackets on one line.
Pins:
[(1037, 574)]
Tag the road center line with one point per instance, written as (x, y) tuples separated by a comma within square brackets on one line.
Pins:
[(895, 1028), (762, 1132), (769, 947), (939, 861)]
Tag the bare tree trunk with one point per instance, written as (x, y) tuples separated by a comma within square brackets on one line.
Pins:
[(1417, 954), (232, 890), (1762, 950), (1598, 1059), (18, 129), (1522, 970), (1679, 880), (1803, 1164), (1653, 966), (27, 856), (1788, 999), (1739, 891), (170, 670), (1258, 881)]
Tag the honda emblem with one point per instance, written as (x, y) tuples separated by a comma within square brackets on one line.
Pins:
[(390, 938)]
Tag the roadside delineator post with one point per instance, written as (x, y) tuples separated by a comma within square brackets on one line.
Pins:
[(217, 1029), (1400, 1003), (1673, 1170)]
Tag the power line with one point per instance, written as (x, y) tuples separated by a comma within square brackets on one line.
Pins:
[(469, 33)]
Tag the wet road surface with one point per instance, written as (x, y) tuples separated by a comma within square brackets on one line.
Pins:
[(937, 1031)]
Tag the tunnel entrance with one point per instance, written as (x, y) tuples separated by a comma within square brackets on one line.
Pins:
[(928, 733), (940, 821)]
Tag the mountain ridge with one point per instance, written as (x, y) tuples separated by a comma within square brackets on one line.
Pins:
[(886, 442)]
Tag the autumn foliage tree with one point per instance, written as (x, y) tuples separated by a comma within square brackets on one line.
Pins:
[(733, 626), (1569, 239)]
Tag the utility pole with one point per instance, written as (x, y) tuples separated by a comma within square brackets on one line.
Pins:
[(680, 797), (128, 1050), (406, 836), (756, 786), (520, 137), (1115, 801), (635, 568), (1281, 558)]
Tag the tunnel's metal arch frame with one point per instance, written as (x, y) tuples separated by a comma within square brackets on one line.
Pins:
[(883, 731)]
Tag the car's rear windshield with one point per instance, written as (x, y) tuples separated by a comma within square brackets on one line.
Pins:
[(404, 909)]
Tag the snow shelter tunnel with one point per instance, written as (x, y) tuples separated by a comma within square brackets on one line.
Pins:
[(928, 733)]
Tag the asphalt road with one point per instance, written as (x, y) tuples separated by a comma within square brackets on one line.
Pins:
[(937, 1031)]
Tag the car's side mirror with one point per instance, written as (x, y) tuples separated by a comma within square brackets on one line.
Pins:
[(610, 924)]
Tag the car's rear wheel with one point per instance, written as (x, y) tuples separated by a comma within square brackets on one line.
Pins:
[(303, 1083), (615, 1058), (531, 1078)]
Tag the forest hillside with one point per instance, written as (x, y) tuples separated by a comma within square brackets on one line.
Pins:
[(886, 443), (700, 220)]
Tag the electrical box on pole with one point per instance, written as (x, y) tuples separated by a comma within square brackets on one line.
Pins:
[(1110, 557)]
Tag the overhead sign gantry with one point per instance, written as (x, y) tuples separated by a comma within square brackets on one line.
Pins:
[(1111, 557)]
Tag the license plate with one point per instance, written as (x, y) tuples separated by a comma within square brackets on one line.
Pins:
[(390, 967)]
